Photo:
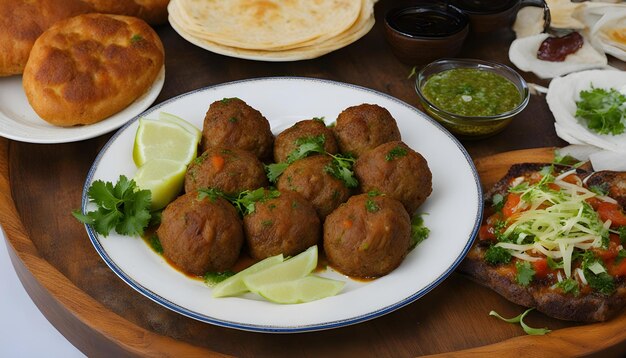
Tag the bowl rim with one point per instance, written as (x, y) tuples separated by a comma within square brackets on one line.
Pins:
[(483, 65), (464, 18)]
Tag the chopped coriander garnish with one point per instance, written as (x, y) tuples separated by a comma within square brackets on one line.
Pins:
[(525, 273), (621, 254), (396, 152), (319, 119), (307, 146), (621, 231), (602, 189), (419, 232), (520, 319), (213, 278), (497, 201), (371, 206), (554, 265), (136, 38), (569, 285), (155, 244), (275, 170), (122, 207), (210, 193), (603, 110), (496, 255), (341, 168), (246, 200), (232, 119)]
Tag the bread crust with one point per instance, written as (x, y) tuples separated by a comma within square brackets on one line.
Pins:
[(86, 68), (22, 22), (587, 307), (152, 11)]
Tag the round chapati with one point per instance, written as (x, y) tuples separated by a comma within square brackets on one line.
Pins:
[(265, 24)]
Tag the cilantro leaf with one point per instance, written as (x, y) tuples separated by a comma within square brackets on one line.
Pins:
[(569, 285), (525, 273), (275, 170), (602, 189), (245, 202), (396, 152), (497, 255), (307, 146), (371, 206), (341, 168), (419, 232), (497, 202), (121, 207), (213, 278), (603, 110), (155, 244), (520, 319), (622, 234), (621, 254)]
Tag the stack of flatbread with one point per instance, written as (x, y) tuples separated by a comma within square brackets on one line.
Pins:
[(272, 30)]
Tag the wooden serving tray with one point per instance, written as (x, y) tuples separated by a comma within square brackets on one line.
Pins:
[(99, 314)]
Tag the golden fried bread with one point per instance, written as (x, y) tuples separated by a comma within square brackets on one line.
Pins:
[(22, 21), (152, 11), (86, 68)]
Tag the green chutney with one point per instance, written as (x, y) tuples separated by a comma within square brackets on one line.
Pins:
[(471, 92)]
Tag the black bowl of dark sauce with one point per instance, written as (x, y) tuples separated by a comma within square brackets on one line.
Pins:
[(433, 21), (424, 32)]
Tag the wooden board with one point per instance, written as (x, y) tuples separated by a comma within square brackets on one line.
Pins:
[(453, 317)]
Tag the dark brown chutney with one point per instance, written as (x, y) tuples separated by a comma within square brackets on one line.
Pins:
[(433, 21), (556, 49), (471, 92)]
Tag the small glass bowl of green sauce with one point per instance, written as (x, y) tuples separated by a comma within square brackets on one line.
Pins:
[(473, 99)]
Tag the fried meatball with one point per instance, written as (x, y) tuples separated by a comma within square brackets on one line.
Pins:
[(397, 171), (201, 233), (229, 170), (232, 123), (364, 127), (286, 224), (309, 177), (287, 140), (368, 236)]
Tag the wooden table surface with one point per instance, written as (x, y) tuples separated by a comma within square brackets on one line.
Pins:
[(41, 184)]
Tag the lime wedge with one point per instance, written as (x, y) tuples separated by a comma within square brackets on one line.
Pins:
[(168, 117), (163, 140), (291, 269), (234, 285), (306, 289), (164, 178)]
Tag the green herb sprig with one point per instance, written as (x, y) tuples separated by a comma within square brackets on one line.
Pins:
[(603, 110), (121, 207)]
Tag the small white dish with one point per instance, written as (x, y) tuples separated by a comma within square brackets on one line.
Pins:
[(18, 121)]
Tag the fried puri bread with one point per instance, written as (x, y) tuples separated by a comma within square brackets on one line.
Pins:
[(86, 68), (152, 11), (21, 23)]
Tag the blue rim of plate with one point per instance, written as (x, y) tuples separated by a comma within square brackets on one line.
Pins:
[(267, 328)]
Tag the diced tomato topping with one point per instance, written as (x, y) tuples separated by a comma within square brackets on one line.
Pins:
[(541, 268), (572, 179), (610, 252), (510, 207), (613, 212), (486, 232), (554, 186), (594, 202), (217, 162), (618, 269)]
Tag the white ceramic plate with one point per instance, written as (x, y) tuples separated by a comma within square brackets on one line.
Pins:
[(18, 121), (454, 212)]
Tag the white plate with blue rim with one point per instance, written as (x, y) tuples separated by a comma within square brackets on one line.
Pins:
[(18, 120), (454, 211)]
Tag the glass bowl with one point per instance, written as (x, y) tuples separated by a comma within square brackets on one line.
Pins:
[(471, 127)]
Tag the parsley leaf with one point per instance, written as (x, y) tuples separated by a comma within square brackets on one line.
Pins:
[(525, 273), (341, 168), (603, 110), (371, 206), (396, 152), (497, 255), (419, 232), (122, 207), (520, 319), (569, 285), (213, 278), (245, 202), (275, 170), (307, 146)]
